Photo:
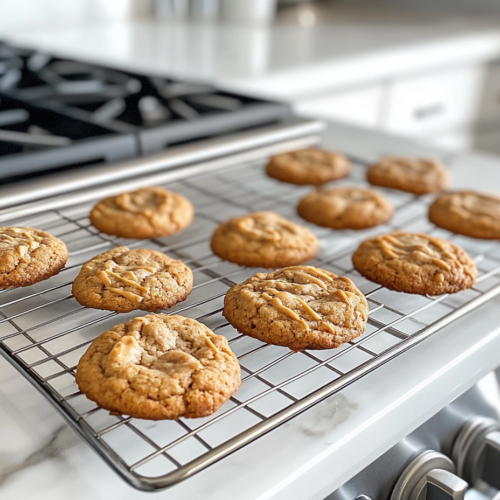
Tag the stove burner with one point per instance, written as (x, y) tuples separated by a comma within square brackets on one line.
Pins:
[(48, 102)]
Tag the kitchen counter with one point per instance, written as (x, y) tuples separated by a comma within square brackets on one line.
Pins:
[(41, 458), (346, 49)]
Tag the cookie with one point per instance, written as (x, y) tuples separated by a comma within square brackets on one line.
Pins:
[(146, 213), (415, 263), (122, 280), (414, 175), (300, 307), (308, 166), (345, 208), (264, 239), (469, 213), (28, 256), (159, 367)]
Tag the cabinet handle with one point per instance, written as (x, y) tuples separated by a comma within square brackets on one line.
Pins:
[(429, 111)]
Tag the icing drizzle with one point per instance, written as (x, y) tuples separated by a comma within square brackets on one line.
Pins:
[(128, 276), (279, 295), (22, 240), (395, 247)]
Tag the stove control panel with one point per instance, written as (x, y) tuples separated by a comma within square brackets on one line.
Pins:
[(477, 453), (430, 476), (455, 455)]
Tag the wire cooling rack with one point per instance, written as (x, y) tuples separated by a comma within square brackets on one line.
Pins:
[(44, 331)]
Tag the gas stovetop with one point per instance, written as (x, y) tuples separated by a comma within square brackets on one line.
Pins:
[(59, 113)]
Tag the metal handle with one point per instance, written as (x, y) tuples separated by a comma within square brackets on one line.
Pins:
[(477, 452), (429, 111), (430, 476)]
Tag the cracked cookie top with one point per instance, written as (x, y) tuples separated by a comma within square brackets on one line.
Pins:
[(159, 367), (29, 255), (122, 280), (264, 239), (345, 208), (467, 212), (414, 175), (146, 213), (415, 263), (300, 307), (308, 166)]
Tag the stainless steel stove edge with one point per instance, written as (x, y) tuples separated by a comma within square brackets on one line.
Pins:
[(243, 146), (439, 434)]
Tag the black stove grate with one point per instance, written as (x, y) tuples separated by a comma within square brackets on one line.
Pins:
[(59, 102)]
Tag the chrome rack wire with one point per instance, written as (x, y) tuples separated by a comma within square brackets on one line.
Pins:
[(44, 331)]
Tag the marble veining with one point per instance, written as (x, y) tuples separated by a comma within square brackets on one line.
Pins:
[(50, 448), (330, 414)]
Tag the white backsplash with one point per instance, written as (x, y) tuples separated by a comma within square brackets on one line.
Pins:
[(38, 15)]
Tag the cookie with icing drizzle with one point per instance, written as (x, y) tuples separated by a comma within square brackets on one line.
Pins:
[(264, 239), (146, 213), (415, 263), (123, 280), (308, 166), (467, 212), (159, 367), (300, 307), (414, 175), (345, 208), (28, 256)]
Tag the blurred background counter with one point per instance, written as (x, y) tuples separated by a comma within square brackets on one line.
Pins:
[(429, 71)]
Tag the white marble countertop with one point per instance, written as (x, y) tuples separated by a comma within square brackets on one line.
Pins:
[(285, 61), (307, 458)]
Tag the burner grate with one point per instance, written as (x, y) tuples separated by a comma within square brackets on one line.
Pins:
[(60, 114), (44, 331)]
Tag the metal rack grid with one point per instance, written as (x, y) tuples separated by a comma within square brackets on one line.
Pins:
[(44, 331)]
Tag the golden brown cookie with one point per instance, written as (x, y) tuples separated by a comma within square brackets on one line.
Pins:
[(308, 166), (159, 367), (264, 239), (345, 208), (469, 213), (122, 280), (300, 307), (414, 175), (415, 263), (28, 256), (146, 213)]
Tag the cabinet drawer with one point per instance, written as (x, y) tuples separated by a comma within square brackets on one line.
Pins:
[(489, 110), (428, 103), (360, 106), (488, 142)]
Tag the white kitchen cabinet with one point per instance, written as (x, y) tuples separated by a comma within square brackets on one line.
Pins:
[(361, 106), (488, 142), (434, 102), (453, 140), (489, 106)]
